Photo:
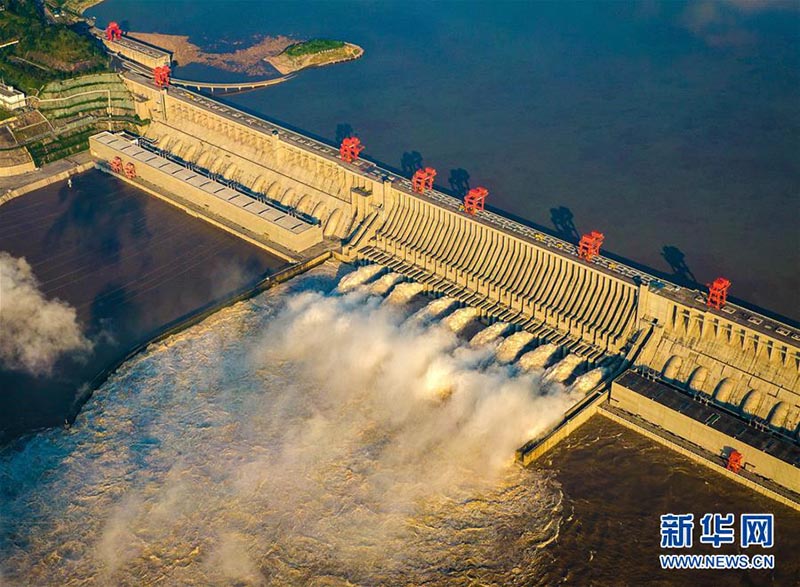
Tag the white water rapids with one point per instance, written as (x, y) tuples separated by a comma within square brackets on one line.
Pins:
[(308, 436)]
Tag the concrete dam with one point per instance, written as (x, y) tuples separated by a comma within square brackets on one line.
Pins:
[(713, 382)]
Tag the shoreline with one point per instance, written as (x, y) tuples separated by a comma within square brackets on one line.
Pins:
[(286, 64), (252, 60), (81, 6), (18, 185)]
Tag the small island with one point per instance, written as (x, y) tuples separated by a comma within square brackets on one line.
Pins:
[(314, 53)]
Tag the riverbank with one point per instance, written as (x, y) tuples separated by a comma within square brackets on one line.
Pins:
[(128, 263), (18, 185), (79, 6), (250, 60)]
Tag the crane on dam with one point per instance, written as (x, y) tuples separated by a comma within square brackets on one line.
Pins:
[(589, 245), (113, 32), (161, 75), (350, 149), (423, 179), (475, 200), (718, 293)]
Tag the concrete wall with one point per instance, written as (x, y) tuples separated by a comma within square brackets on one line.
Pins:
[(147, 58), (16, 162), (705, 437), (311, 182), (753, 372), (562, 292), (755, 486), (576, 418), (296, 241)]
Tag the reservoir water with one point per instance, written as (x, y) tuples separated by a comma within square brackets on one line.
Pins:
[(671, 127)]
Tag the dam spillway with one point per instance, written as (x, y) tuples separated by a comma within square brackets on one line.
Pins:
[(601, 311)]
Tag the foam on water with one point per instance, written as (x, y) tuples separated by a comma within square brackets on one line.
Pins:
[(460, 319), (383, 285), (435, 309), (404, 292), (512, 346), (589, 380), (301, 437), (562, 370)]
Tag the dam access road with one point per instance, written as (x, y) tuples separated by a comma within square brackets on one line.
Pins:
[(644, 337)]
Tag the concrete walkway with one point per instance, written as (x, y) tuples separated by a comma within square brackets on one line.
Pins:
[(17, 185)]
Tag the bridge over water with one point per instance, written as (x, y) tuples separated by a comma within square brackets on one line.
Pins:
[(232, 86)]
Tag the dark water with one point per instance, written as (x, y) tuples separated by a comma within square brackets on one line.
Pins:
[(674, 128), (243, 452), (127, 262), (617, 483)]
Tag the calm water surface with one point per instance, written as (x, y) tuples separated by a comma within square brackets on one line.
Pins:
[(128, 263)]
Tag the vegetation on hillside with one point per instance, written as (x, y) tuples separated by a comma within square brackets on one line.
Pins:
[(67, 113), (46, 51), (313, 46)]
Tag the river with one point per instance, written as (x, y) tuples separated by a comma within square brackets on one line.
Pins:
[(244, 452), (125, 263), (234, 453)]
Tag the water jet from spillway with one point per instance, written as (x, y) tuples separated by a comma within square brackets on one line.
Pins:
[(490, 334), (359, 277), (384, 284), (404, 292), (435, 309), (461, 318), (512, 346), (538, 357), (590, 380), (562, 370)]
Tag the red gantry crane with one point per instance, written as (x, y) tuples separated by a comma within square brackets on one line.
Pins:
[(475, 200), (161, 75), (718, 293), (116, 165), (423, 179), (350, 148), (589, 245), (113, 32), (735, 461)]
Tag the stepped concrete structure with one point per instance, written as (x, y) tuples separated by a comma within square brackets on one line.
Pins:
[(137, 51), (607, 313)]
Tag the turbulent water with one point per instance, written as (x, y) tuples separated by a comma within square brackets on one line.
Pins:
[(306, 436)]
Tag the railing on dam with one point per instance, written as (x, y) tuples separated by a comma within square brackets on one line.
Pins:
[(231, 86)]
